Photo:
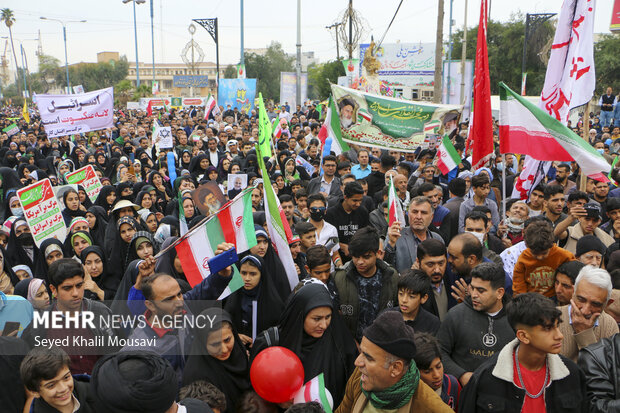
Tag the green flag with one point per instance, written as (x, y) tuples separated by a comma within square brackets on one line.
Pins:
[(264, 128)]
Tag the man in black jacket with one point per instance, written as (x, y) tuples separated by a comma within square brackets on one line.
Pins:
[(601, 364), (528, 375)]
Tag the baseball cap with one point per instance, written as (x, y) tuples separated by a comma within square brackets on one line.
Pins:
[(592, 210)]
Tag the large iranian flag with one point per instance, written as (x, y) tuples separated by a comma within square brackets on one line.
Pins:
[(447, 157), (331, 129), (233, 223), (527, 129), (209, 105)]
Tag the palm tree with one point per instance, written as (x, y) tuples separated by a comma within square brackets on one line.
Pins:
[(9, 19)]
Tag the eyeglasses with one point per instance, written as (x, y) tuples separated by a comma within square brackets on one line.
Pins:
[(317, 209)]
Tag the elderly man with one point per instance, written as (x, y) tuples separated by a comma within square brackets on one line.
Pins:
[(386, 378), (402, 245), (583, 320)]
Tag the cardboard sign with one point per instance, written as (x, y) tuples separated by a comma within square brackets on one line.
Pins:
[(163, 137), (86, 177), (42, 211)]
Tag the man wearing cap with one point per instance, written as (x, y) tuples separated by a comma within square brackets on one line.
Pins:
[(589, 217), (590, 250), (386, 378)]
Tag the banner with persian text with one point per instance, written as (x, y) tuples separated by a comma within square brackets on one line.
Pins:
[(42, 211), (388, 123), (63, 115)]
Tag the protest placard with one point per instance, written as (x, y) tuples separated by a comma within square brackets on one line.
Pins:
[(42, 211), (163, 137), (86, 177), (63, 115)]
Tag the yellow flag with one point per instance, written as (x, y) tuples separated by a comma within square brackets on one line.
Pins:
[(25, 112)]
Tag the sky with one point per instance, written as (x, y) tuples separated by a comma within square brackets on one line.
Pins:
[(110, 26)]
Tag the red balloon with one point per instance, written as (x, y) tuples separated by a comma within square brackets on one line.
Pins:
[(276, 374)]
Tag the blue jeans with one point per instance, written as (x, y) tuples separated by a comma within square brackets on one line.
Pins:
[(605, 117)]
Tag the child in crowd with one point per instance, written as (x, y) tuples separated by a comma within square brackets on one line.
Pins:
[(413, 289)]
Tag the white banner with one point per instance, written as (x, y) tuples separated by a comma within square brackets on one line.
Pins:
[(163, 137), (63, 115)]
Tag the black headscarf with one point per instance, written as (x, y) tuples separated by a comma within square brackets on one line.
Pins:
[(132, 252), (107, 280), (194, 166), (98, 231), (45, 245), (120, 187), (7, 269), (333, 354), (16, 253), (133, 382), (231, 376), (103, 196), (69, 214), (269, 302), (87, 202)]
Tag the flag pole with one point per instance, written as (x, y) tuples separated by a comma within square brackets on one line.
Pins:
[(504, 200), (584, 133)]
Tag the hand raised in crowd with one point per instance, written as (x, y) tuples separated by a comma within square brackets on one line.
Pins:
[(460, 290), (579, 321), (92, 286), (577, 211), (145, 269), (394, 233), (225, 246)]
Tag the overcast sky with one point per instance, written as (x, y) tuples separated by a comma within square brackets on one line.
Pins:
[(110, 26)]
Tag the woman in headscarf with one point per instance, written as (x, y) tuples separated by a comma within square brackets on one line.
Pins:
[(257, 286), (198, 166), (273, 266), (51, 250), (63, 168), (211, 175), (144, 201), (162, 189), (149, 220), (124, 190), (80, 240), (218, 356), (311, 327), (8, 279), (73, 207), (8, 180), (292, 171), (189, 209), (223, 169), (84, 199), (35, 291), (99, 284), (22, 272), (97, 219), (13, 205), (21, 248), (106, 198), (140, 247), (185, 159), (127, 226)]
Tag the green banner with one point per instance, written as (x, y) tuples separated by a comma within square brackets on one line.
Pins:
[(388, 123)]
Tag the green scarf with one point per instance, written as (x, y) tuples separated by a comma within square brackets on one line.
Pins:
[(399, 394)]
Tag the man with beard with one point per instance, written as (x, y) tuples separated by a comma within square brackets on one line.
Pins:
[(347, 112), (476, 329), (432, 260), (554, 204)]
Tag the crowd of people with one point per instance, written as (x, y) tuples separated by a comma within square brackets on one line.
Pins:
[(464, 308)]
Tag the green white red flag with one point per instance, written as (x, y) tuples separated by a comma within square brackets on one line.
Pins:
[(315, 391), (447, 157), (395, 208), (527, 129), (331, 129), (234, 224), (210, 104), (279, 229)]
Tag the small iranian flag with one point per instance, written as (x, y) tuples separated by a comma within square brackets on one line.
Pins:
[(11, 130), (527, 129), (315, 391), (395, 208), (209, 105), (331, 129), (233, 223), (277, 225), (277, 130), (448, 157)]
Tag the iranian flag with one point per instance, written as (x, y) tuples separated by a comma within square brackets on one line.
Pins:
[(525, 128), (278, 227), (233, 223), (448, 157), (209, 105), (331, 130), (395, 208), (315, 391), (432, 127), (277, 129)]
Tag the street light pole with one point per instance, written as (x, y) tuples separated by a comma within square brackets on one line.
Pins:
[(152, 43), (135, 35), (64, 37)]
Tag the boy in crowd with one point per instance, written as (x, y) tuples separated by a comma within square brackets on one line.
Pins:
[(318, 265), (428, 359), (307, 235), (413, 289), (528, 375), (534, 270), (45, 372)]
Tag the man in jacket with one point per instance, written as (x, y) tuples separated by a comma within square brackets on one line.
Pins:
[(386, 376), (601, 364), (329, 183), (476, 329), (366, 285), (528, 375)]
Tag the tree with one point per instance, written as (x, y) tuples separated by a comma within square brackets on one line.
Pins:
[(606, 63), (266, 69), (95, 76), (142, 91), (505, 48), (49, 68), (9, 19), (320, 76), (122, 91), (230, 72)]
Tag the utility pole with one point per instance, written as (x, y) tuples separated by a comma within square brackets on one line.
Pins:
[(335, 26), (438, 53), (242, 59), (298, 66), (463, 56), (350, 29), (449, 85), (152, 44)]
